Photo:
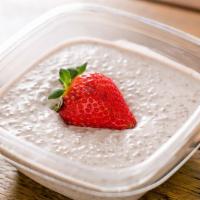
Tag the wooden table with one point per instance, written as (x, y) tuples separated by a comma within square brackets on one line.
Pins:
[(184, 185)]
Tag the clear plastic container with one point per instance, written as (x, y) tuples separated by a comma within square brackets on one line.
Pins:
[(77, 180)]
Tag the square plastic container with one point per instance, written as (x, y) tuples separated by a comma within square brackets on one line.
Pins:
[(76, 180)]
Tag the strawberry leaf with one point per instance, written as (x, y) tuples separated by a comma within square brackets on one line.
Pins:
[(60, 81), (73, 72), (56, 94), (81, 68), (65, 77)]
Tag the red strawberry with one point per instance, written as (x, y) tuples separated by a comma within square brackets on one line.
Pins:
[(91, 100)]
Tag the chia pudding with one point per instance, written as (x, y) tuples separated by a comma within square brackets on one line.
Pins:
[(161, 94)]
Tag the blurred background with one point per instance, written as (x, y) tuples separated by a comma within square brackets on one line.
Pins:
[(183, 14)]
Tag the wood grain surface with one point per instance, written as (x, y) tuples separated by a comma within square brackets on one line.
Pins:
[(184, 185)]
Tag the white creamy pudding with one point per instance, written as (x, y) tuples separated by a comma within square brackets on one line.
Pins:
[(161, 94)]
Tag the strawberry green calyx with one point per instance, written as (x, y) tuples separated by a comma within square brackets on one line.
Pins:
[(56, 94), (66, 76)]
